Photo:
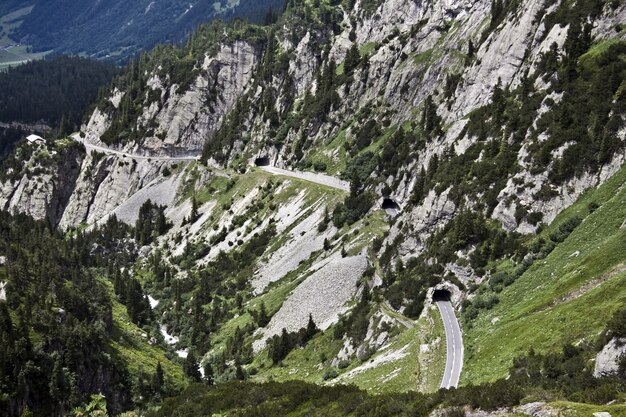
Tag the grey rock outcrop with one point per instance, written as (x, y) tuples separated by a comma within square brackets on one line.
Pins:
[(323, 295), (43, 188), (607, 360)]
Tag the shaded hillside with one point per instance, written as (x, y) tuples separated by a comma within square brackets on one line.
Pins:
[(50, 94), (118, 29), (65, 334), (46, 91)]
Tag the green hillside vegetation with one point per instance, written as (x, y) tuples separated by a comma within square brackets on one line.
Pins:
[(583, 273), (65, 336), (77, 320), (218, 291), (298, 398)]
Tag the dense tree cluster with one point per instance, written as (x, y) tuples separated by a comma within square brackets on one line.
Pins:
[(280, 346), (151, 223), (584, 116), (131, 294), (55, 91), (212, 295), (564, 376), (55, 323), (8, 139)]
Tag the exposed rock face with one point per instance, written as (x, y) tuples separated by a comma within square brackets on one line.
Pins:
[(377, 337), (45, 184), (412, 47), (302, 241), (456, 295), (534, 409), (105, 183), (607, 360), (180, 126), (178, 121), (187, 120)]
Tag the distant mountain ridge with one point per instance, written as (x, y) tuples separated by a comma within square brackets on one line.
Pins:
[(118, 29)]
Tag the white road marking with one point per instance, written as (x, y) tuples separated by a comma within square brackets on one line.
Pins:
[(454, 361)]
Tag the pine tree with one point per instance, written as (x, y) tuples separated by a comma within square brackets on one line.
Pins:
[(497, 9), (208, 374), (498, 101), (58, 385), (471, 51), (353, 59), (431, 121), (64, 126), (194, 210), (311, 329), (419, 187), (27, 413), (263, 316), (191, 367), (239, 374), (158, 380)]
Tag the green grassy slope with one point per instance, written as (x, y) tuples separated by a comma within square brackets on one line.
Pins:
[(132, 346), (568, 297)]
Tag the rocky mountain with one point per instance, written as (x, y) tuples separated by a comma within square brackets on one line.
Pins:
[(118, 29), (483, 143)]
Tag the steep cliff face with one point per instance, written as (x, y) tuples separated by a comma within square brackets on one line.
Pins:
[(477, 123), (294, 94), (104, 184), (178, 110), (42, 179), (450, 53), (270, 92)]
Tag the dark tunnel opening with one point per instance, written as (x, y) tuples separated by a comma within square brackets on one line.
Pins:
[(441, 295), (389, 204), (262, 162)]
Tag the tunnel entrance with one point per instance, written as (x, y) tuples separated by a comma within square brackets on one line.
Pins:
[(262, 162), (441, 295), (389, 204)]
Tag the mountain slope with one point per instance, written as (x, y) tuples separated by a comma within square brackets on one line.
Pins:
[(64, 334), (120, 29), (483, 142)]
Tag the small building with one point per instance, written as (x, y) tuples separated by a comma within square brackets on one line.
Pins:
[(35, 139)]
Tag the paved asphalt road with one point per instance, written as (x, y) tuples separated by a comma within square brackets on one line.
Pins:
[(454, 344), (307, 176), (321, 179)]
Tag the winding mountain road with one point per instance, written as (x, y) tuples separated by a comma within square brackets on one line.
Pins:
[(321, 179), (314, 177), (454, 345), (95, 148)]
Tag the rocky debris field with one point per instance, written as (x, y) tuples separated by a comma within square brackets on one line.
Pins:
[(323, 295)]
